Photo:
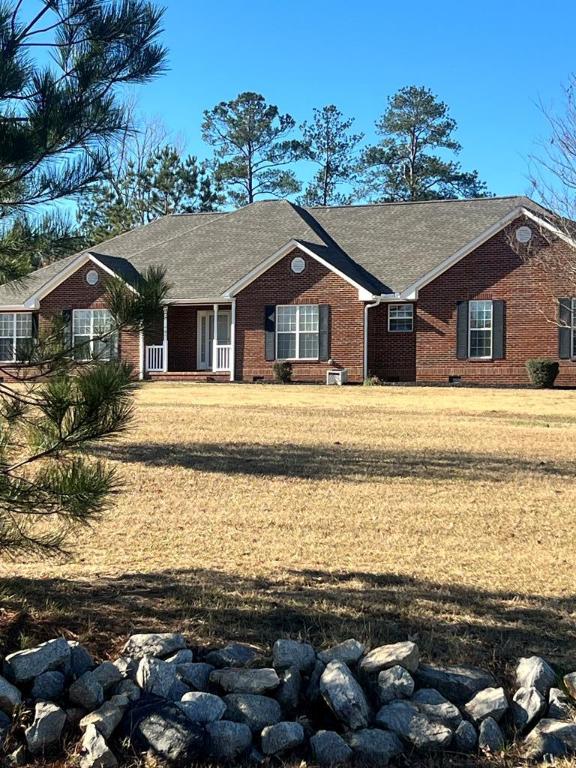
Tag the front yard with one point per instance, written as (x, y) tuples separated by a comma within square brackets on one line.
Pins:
[(251, 511)]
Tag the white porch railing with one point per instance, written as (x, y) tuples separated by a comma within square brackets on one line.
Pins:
[(221, 357), (155, 358)]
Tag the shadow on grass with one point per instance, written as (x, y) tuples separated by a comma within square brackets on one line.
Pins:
[(329, 461), (451, 623)]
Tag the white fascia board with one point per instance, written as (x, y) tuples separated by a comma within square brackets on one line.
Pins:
[(264, 266), (550, 227), (196, 302), (411, 292)]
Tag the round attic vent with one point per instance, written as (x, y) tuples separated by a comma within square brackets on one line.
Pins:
[(298, 265), (92, 277), (523, 235)]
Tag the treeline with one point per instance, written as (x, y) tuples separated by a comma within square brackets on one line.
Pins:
[(254, 151)]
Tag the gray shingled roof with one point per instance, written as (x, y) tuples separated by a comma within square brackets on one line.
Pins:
[(384, 248)]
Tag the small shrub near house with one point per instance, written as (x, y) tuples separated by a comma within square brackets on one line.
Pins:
[(283, 373), (372, 381), (542, 371)]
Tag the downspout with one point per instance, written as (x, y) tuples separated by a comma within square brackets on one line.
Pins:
[(366, 308)]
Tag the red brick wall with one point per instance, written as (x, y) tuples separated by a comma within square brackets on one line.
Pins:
[(391, 356), (316, 285), (493, 271), (75, 293)]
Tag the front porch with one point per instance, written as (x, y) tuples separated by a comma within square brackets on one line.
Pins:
[(194, 343)]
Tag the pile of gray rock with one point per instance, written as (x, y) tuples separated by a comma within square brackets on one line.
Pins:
[(339, 705)]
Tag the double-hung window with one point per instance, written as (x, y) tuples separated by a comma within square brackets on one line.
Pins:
[(400, 318), (297, 332), (92, 334), (480, 330), (16, 332)]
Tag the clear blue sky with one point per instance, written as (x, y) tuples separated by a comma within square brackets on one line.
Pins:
[(491, 62)]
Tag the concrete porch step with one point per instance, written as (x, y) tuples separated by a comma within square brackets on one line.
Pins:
[(204, 376)]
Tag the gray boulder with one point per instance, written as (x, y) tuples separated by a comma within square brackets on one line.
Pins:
[(534, 672), (457, 683), (95, 753), (233, 655), (177, 690), (183, 656), (80, 660), (237, 680), (127, 667), (129, 689), (373, 746), (288, 693), (312, 692), (528, 705), (160, 727), (394, 683), (329, 748), (26, 665), (465, 737), (437, 708), (10, 696), (196, 676), (107, 674), (349, 652), (158, 644), (5, 725), (491, 702), (156, 676), (45, 733), (228, 741), (86, 692), (560, 706), (405, 719), (202, 707), (405, 654), (253, 710), (48, 686), (291, 653), (107, 717), (570, 683), (343, 694), (490, 737), (550, 738), (281, 737)]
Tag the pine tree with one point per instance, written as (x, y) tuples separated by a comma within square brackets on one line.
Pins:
[(405, 164), (252, 148), (330, 144), (61, 70), (140, 189)]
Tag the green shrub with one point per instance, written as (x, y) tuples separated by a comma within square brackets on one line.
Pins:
[(372, 381), (542, 371), (283, 373)]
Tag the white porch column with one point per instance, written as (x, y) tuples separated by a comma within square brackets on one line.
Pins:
[(232, 339), (165, 341), (142, 354), (215, 339)]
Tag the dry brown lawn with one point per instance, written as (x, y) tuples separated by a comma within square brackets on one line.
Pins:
[(447, 515)]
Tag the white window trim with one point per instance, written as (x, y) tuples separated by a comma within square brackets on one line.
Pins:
[(14, 358), (491, 329), (297, 332), (401, 330), (92, 336)]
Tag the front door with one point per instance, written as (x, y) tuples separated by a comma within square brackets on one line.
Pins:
[(206, 335)]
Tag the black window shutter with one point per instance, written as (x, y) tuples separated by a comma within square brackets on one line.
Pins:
[(67, 328), (565, 328), (35, 326), (498, 330), (462, 330), (324, 332), (270, 332)]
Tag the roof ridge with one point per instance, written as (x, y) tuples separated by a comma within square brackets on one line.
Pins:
[(419, 202)]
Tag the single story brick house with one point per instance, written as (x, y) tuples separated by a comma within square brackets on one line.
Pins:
[(430, 292)]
